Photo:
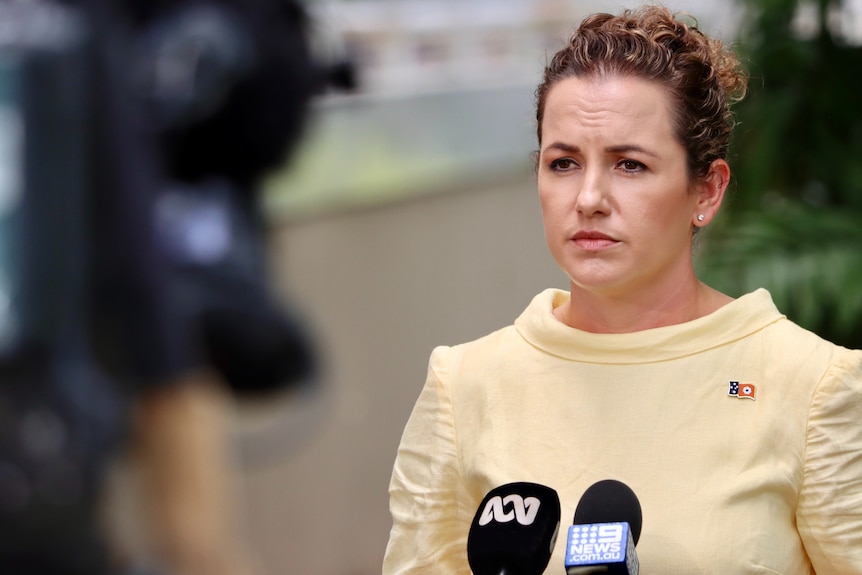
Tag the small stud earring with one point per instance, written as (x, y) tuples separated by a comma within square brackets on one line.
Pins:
[(701, 217)]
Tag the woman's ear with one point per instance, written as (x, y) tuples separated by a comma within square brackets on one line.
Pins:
[(709, 192)]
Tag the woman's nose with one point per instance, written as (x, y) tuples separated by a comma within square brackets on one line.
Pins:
[(592, 198)]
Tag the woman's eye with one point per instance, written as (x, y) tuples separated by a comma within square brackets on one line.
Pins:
[(631, 166), (562, 164)]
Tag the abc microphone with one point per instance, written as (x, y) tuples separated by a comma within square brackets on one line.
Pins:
[(606, 529), (514, 530)]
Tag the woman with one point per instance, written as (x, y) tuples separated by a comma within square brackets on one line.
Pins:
[(739, 432)]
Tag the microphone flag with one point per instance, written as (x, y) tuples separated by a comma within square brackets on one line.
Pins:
[(601, 548), (514, 530)]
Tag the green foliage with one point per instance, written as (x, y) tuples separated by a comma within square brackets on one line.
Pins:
[(794, 223), (809, 258), (800, 128)]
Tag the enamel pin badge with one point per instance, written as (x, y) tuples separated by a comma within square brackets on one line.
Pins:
[(741, 390)]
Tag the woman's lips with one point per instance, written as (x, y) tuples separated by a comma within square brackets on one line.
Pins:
[(593, 241)]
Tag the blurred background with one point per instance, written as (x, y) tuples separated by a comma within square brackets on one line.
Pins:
[(407, 217)]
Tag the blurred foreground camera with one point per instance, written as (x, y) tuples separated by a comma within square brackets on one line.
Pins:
[(133, 138)]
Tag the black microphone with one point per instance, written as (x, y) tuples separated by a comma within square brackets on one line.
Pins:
[(606, 528), (514, 530)]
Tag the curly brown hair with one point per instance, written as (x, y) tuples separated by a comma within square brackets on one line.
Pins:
[(703, 77)]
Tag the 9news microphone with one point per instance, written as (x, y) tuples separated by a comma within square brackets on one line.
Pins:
[(606, 529), (514, 530)]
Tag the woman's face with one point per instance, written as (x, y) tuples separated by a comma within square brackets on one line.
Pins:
[(616, 199)]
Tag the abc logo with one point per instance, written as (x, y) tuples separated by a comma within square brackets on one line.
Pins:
[(508, 508)]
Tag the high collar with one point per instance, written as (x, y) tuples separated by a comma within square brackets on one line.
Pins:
[(738, 319)]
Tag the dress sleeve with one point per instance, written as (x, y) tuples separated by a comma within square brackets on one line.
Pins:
[(427, 497), (829, 515)]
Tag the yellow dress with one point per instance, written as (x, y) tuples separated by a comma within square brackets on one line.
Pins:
[(740, 433)]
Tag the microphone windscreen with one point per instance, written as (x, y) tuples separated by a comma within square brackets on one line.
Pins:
[(610, 501), (514, 530)]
